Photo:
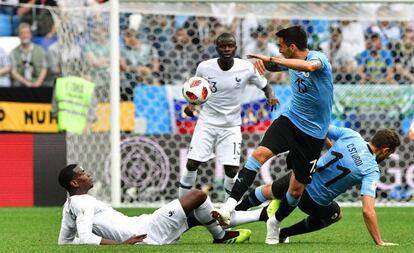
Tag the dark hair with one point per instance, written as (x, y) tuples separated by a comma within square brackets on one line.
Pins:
[(66, 175), (130, 32), (335, 29), (294, 35), (374, 36), (386, 138), (225, 36)]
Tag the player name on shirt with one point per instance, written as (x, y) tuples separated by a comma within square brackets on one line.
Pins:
[(354, 154)]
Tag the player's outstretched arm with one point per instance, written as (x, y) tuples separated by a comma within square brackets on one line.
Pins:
[(371, 221), (263, 63), (296, 64)]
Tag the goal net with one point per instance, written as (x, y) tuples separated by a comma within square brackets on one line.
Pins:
[(370, 46)]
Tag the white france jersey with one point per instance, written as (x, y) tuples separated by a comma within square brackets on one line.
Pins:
[(223, 108), (91, 219)]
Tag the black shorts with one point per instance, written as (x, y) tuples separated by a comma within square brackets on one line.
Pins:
[(304, 150), (328, 213)]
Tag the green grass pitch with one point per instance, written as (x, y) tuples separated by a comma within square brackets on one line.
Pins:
[(36, 230)]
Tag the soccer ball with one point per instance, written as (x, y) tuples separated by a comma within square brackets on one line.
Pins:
[(196, 90)]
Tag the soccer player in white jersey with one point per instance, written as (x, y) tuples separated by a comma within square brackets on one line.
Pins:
[(349, 161), (217, 132), (86, 220)]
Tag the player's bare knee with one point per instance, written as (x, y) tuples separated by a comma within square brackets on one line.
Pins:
[(267, 191), (230, 170), (296, 193), (192, 165), (262, 154), (296, 188), (198, 195), (192, 200)]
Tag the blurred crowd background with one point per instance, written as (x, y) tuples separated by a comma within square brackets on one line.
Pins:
[(163, 49)]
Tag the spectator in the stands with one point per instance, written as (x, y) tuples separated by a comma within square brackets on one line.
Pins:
[(97, 54), (54, 63), (4, 69), (181, 61), (77, 3), (375, 63), (29, 66), (403, 52), (199, 28), (139, 59), (8, 17), (318, 30), (262, 45), (389, 32), (9, 7), (61, 55), (341, 56), (38, 17), (208, 49), (352, 36)]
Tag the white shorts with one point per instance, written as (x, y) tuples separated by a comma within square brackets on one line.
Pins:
[(208, 142), (167, 224)]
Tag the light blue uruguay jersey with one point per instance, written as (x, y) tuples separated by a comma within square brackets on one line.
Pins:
[(311, 106), (347, 163)]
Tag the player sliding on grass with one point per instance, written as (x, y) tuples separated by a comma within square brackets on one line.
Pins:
[(350, 161), (87, 220)]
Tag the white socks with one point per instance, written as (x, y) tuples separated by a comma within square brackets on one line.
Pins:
[(203, 215), (229, 205), (187, 181), (242, 217)]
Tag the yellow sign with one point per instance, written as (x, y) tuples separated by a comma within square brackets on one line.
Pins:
[(37, 117), (27, 117), (103, 114)]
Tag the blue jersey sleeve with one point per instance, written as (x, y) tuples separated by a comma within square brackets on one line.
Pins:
[(369, 184), (335, 133), (321, 58)]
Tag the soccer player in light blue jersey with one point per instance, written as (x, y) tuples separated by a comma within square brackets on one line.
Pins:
[(301, 129), (350, 161)]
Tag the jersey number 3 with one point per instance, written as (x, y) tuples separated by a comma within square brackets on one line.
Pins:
[(213, 86)]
